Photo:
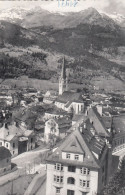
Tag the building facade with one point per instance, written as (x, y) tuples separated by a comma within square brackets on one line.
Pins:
[(79, 166)]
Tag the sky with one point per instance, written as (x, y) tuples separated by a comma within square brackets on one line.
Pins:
[(107, 6)]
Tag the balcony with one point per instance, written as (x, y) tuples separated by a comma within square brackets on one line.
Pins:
[(57, 185), (84, 189)]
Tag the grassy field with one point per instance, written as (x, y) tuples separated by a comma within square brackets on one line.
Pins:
[(42, 85), (109, 84)]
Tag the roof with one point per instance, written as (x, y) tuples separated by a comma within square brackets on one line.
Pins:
[(4, 153), (14, 131), (75, 143), (119, 123), (27, 133), (76, 117), (63, 120), (10, 137), (69, 96), (98, 123)]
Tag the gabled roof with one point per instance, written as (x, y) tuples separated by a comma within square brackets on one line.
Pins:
[(69, 96), (82, 147), (4, 153), (74, 147), (97, 122), (10, 137)]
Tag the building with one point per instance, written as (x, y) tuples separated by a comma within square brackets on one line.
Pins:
[(16, 139), (5, 160), (50, 97), (97, 120), (79, 166), (55, 113), (57, 127), (118, 143), (68, 100)]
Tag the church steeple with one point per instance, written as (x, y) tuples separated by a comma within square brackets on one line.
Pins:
[(63, 73), (63, 79)]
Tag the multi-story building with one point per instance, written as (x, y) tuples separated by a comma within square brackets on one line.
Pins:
[(57, 127), (79, 166)]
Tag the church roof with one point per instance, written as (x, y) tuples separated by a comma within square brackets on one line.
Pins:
[(69, 96)]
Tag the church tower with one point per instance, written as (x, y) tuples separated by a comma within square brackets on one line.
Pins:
[(63, 82)]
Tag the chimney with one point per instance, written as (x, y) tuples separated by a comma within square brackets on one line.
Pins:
[(81, 129), (84, 125)]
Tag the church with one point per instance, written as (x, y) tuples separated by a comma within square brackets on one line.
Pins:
[(68, 100)]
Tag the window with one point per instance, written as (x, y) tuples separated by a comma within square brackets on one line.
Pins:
[(76, 157), (31, 140), (70, 192), (103, 169), (13, 152), (58, 179), (71, 168), (57, 190), (88, 184), (58, 167), (13, 145), (85, 171), (7, 160), (84, 183), (71, 180), (7, 145), (61, 179), (68, 156), (0, 143)]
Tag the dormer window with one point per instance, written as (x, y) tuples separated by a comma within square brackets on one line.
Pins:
[(68, 156), (76, 157)]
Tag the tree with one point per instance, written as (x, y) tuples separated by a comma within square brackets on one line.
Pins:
[(117, 182)]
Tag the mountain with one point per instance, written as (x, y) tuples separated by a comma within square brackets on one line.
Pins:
[(36, 17), (38, 39), (118, 18)]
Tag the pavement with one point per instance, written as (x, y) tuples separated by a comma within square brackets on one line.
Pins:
[(42, 189)]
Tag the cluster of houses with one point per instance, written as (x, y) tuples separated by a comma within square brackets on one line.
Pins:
[(83, 163), (90, 130)]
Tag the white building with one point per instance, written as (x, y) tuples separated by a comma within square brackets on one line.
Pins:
[(78, 167)]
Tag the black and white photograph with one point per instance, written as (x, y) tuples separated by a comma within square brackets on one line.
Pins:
[(62, 97)]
